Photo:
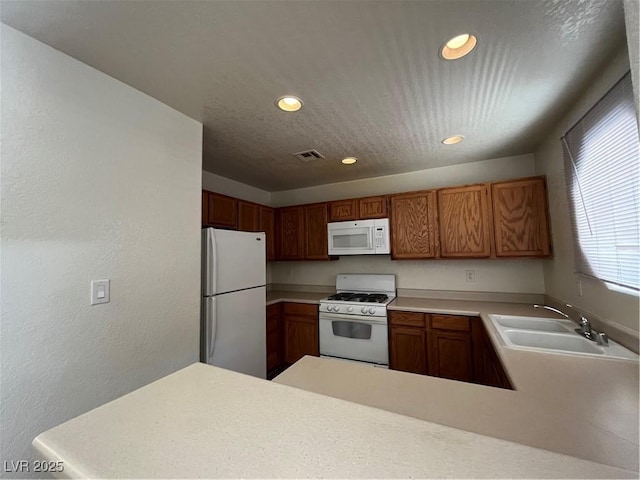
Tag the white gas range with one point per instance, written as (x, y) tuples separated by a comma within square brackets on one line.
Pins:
[(353, 322)]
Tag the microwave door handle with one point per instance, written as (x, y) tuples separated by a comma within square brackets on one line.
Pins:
[(371, 239)]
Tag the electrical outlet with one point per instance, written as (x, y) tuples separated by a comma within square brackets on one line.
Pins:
[(579, 283), (470, 275)]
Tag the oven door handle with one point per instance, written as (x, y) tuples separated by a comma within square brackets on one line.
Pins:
[(354, 318)]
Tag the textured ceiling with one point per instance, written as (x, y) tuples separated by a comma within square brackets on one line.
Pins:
[(368, 72)]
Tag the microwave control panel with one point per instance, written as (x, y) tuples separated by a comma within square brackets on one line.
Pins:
[(380, 237)]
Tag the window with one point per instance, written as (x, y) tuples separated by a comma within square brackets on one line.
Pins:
[(602, 171)]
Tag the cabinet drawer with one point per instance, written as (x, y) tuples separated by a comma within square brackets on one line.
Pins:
[(409, 319), (450, 322), (301, 309)]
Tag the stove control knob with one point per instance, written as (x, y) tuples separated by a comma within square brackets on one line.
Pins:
[(329, 308), (349, 309), (336, 308), (363, 309), (372, 310)]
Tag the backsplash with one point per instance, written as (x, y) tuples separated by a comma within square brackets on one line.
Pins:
[(506, 276)]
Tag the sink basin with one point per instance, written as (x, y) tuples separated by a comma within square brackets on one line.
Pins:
[(534, 323), (552, 341), (553, 335)]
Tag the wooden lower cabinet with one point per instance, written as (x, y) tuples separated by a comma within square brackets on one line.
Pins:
[(488, 369), (447, 346), (300, 331), (450, 355), (275, 344), (407, 349)]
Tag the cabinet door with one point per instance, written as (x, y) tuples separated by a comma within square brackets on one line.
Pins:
[(301, 338), (520, 218), (268, 226), (408, 349), (316, 242), (205, 207), (223, 211), (248, 216), (343, 210), (450, 355), (412, 225), (274, 337), (465, 225), (487, 368), (291, 233), (372, 207)]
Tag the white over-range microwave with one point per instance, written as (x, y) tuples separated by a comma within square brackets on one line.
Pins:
[(362, 237)]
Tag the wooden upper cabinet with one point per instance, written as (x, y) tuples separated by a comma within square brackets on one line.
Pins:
[(223, 211), (205, 207), (248, 216), (413, 225), (343, 210), (520, 218), (290, 228), (465, 224), (267, 222), (315, 241), (372, 207), (358, 209)]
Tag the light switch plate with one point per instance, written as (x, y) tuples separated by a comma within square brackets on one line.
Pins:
[(100, 291)]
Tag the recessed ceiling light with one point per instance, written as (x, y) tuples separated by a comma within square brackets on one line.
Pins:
[(349, 160), (453, 140), (289, 103), (458, 46)]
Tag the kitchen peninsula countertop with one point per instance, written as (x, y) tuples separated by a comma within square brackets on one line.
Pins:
[(203, 421), (580, 406)]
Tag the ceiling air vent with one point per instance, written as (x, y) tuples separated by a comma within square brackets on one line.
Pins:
[(308, 155)]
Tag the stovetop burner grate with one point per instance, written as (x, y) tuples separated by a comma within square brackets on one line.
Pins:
[(359, 297)]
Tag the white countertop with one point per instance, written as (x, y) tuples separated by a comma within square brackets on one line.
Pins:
[(203, 421), (581, 406)]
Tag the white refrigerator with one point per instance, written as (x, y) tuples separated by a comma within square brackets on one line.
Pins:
[(233, 332)]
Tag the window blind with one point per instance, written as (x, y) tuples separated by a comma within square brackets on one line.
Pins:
[(602, 170)]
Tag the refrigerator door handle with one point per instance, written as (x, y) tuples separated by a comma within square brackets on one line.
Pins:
[(210, 262), (213, 324)]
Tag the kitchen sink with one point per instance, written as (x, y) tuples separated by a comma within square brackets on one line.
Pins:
[(553, 335), (534, 323), (553, 341)]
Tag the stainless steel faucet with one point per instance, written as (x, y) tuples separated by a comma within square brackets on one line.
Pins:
[(584, 328), (547, 307)]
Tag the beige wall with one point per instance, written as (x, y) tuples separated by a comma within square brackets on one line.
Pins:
[(512, 276), (226, 186), (560, 280), (632, 22), (488, 170), (98, 181)]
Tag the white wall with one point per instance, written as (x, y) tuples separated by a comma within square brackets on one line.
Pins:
[(560, 279), (632, 25), (226, 186), (98, 181), (474, 172), (509, 276)]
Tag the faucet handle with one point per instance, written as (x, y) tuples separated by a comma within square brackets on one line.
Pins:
[(602, 339)]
